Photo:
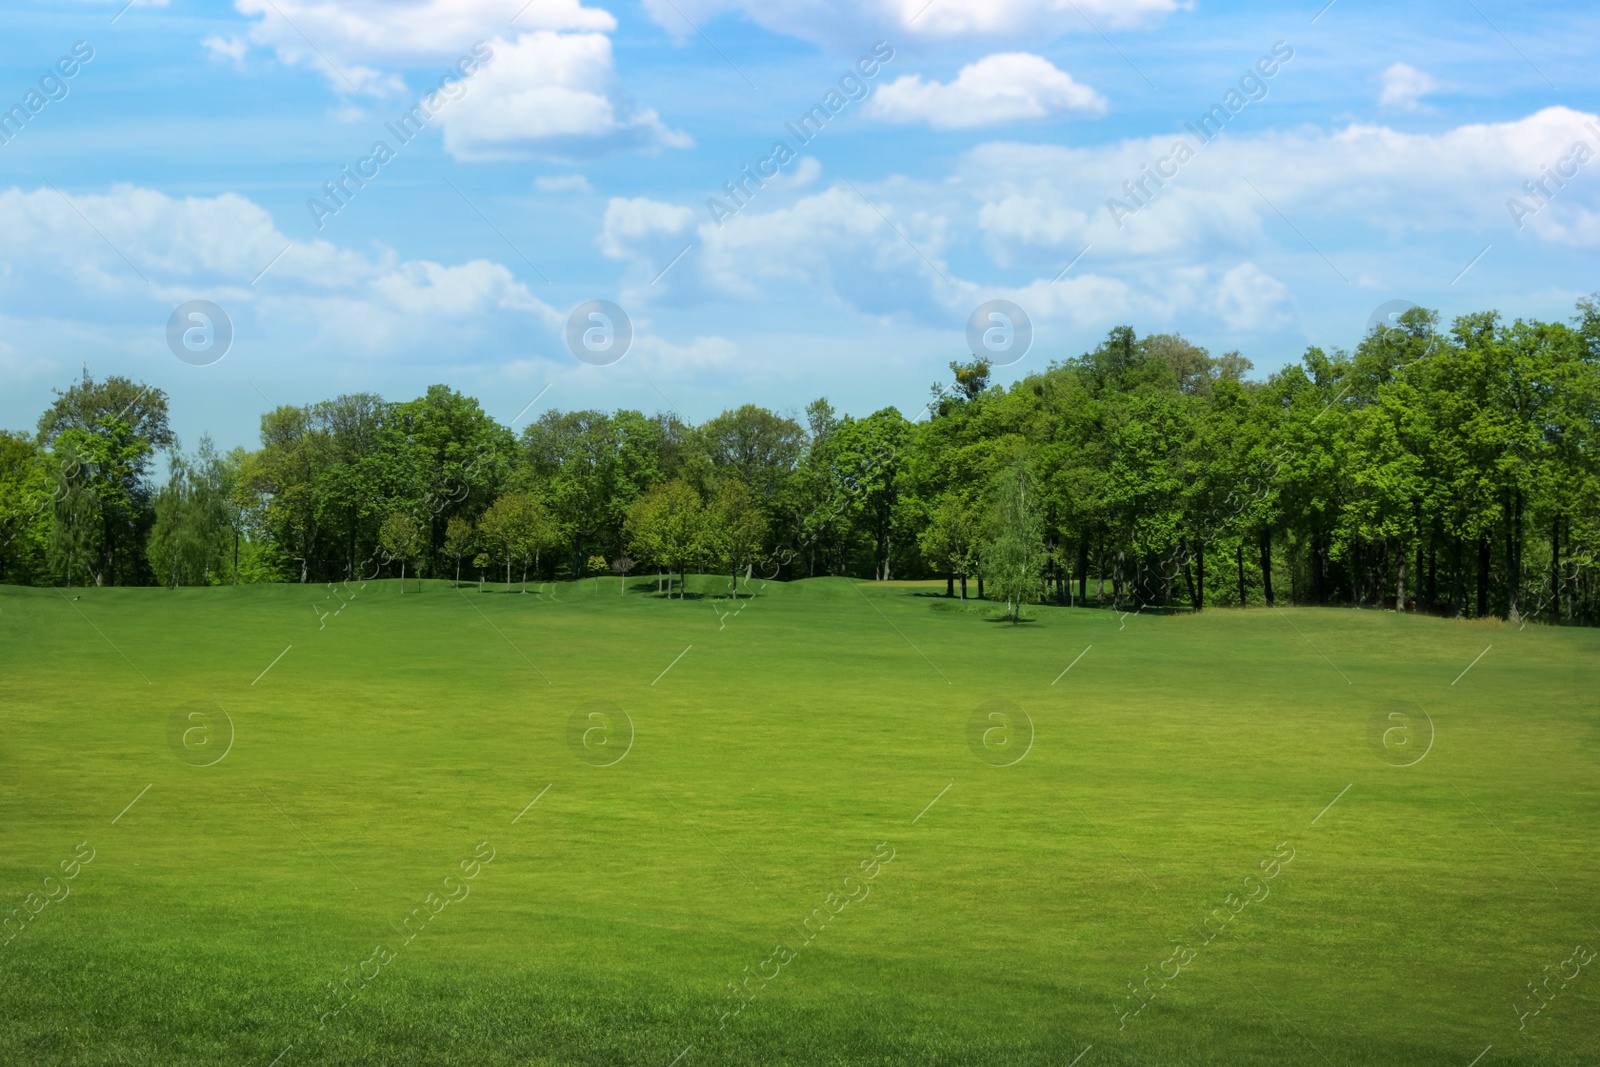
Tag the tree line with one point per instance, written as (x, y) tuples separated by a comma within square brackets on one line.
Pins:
[(1445, 470)]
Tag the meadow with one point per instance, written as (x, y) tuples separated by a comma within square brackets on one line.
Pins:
[(832, 823)]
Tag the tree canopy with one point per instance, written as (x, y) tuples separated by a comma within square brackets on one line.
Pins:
[(1450, 469)]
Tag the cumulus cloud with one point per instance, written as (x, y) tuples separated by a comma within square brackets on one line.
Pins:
[(1364, 175), (553, 95), (851, 21), (1404, 86), (550, 89), (1029, 220), (1002, 88), (1249, 300), (631, 226), (142, 252), (377, 33), (834, 241), (1205, 243)]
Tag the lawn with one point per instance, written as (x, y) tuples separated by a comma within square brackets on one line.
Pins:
[(487, 828)]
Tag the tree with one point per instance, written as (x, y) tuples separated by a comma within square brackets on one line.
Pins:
[(459, 540), (192, 525), (570, 462), (620, 567), (667, 525), (951, 540), (734, 528), (402, 539), (75, 522), (754, 446), (1014, 557), (25, 498), (111, 429), (516, 527), (279, 483), (463, 458)]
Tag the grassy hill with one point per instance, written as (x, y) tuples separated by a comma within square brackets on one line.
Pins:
[(306, 766)]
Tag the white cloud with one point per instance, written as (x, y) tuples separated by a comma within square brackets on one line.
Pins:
[(1249, 300), (805, 173), (1019, 219), (563, 183), (179, 249), (849, 22), (1207, 245), (1353, 181), (837, 242), (1404, 86), (632, 225), (656, 355), (550, 94), (550, 88), (1002, 88), (376, 33), (227, 49)]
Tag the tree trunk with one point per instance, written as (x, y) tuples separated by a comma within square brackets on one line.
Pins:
[(1555, 567), (950, 583), (402, 577), (1319, 584), (236, 557), (1483, 576), (1266, 565), (963, 586), (1200, 576), (1400, 581), (1083, 570), (1458, 589), (1515, 580), (980, 586), (1433, 576), (1239, 553)]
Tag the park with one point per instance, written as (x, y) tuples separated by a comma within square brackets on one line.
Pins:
[(824, 823)]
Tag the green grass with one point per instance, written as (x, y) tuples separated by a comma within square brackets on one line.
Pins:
[(767, 764)]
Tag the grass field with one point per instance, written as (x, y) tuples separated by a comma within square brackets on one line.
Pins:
[(812, 756)]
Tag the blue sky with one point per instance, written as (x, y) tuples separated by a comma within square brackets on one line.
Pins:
[(576, 163)]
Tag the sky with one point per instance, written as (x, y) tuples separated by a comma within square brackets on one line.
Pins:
[(379, 196)]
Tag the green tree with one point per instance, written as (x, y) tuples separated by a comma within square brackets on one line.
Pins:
[(25, 498), (402, 539), (734, 529), (667, 525), (1014, 556), (516, 527), (951, 540), (192, 526), (111, 429), (460, 539)]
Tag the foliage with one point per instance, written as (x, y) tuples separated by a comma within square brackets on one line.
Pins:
[(1013, 557), (1443, 468)]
